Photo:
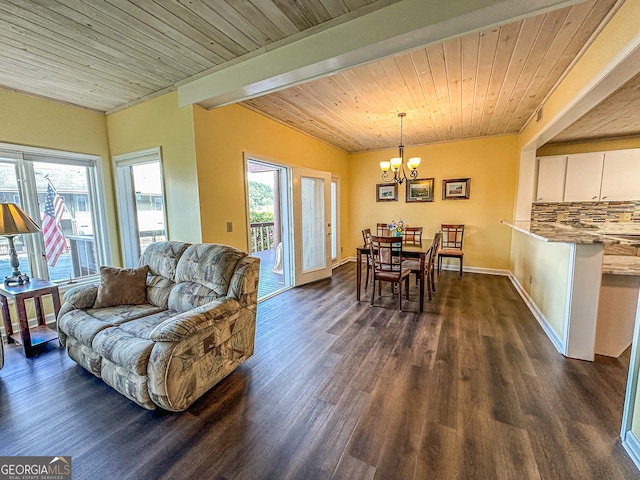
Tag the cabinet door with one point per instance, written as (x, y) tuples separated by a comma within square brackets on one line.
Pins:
[(621, 175), (584, 175), (551, 176)]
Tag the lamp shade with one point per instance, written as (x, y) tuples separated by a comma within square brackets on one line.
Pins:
[(14, 221)]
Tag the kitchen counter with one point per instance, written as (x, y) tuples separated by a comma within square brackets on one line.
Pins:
[(621, 265), (568, 233), (618, 234), (584, 298)]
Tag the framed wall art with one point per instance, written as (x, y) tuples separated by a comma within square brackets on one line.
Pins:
[(455, 188), (386, 192), (419, 190)]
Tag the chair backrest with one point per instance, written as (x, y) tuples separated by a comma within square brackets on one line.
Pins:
[(433, 251), (452, 235), (382, 229), (412, 235), (386, 253), (366, 233), (435, 246)]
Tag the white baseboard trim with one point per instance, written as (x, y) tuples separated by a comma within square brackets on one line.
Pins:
[(553, 336), (485, 271), (632, 446)]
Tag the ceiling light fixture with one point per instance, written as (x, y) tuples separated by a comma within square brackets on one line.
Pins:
[(396, 164)]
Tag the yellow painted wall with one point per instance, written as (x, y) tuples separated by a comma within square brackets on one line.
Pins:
[(35, 122), (586, 147), (222, 136), (159, 122), (491, 163), (542, 269)]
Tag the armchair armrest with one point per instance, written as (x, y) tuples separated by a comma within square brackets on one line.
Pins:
[(187, 323), (82, 296)]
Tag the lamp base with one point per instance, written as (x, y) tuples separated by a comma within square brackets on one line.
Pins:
[(19, 279)]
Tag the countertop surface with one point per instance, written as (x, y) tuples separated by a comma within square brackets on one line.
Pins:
[(621, 265), (587, 233), (574, 232)]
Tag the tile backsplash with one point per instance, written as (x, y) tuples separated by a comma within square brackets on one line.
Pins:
[(627, 211)]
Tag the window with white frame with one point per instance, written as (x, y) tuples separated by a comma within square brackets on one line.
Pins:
[(142, 221), (65, 189)]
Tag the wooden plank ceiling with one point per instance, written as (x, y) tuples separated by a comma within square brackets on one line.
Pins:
[(486, 83), (108, 54), (618, 116)]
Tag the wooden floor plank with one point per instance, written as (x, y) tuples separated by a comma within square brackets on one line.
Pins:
[(469, 389)]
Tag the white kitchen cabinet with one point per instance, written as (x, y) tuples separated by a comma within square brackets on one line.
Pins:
[(621, 175), (584, 175), (551, 178)]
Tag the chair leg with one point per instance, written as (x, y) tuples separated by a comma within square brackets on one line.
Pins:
[(399, 294), (366, 282), (439, 263), (433, 281), (460, 267), (373, 288), (406, 288)]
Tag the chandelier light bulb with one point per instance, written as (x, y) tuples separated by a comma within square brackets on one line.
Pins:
[(396, 162)]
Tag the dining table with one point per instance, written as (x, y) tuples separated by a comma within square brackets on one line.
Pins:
[(418, 250)]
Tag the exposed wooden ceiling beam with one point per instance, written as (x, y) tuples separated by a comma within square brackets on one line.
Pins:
[(397, 28)]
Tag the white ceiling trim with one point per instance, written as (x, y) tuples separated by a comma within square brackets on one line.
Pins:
[(398, 28)]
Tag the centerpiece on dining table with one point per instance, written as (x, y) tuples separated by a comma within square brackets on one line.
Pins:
[(396, 228)]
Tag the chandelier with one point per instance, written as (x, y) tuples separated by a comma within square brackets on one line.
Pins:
[(396, 164)]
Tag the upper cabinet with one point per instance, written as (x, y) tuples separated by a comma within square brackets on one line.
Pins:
[(621, 175), (584, 175), (590, 177), (551, 174)]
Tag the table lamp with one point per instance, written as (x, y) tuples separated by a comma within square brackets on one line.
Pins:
[(13, 222)]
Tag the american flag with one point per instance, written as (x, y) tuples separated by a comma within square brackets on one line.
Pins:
[(54, 243)]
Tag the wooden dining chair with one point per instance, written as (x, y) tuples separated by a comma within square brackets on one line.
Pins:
[(385, 254), (382, 229), (451, 247), (366, 234), (412, 236)]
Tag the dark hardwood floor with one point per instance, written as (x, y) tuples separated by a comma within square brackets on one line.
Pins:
[(470, 389)]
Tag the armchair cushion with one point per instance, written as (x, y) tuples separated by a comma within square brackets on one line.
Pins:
[(82, 296), (122, 286)]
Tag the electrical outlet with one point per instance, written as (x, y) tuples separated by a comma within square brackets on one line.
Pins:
[(530, 279), (229, 226)]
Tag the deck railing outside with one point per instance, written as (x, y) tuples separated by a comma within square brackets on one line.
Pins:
[(262, 236)]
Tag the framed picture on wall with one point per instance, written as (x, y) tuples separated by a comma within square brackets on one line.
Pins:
[(455, 188), (420, 190), (386, 192)]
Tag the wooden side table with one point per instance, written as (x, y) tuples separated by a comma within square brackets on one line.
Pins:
[(29, 337)]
